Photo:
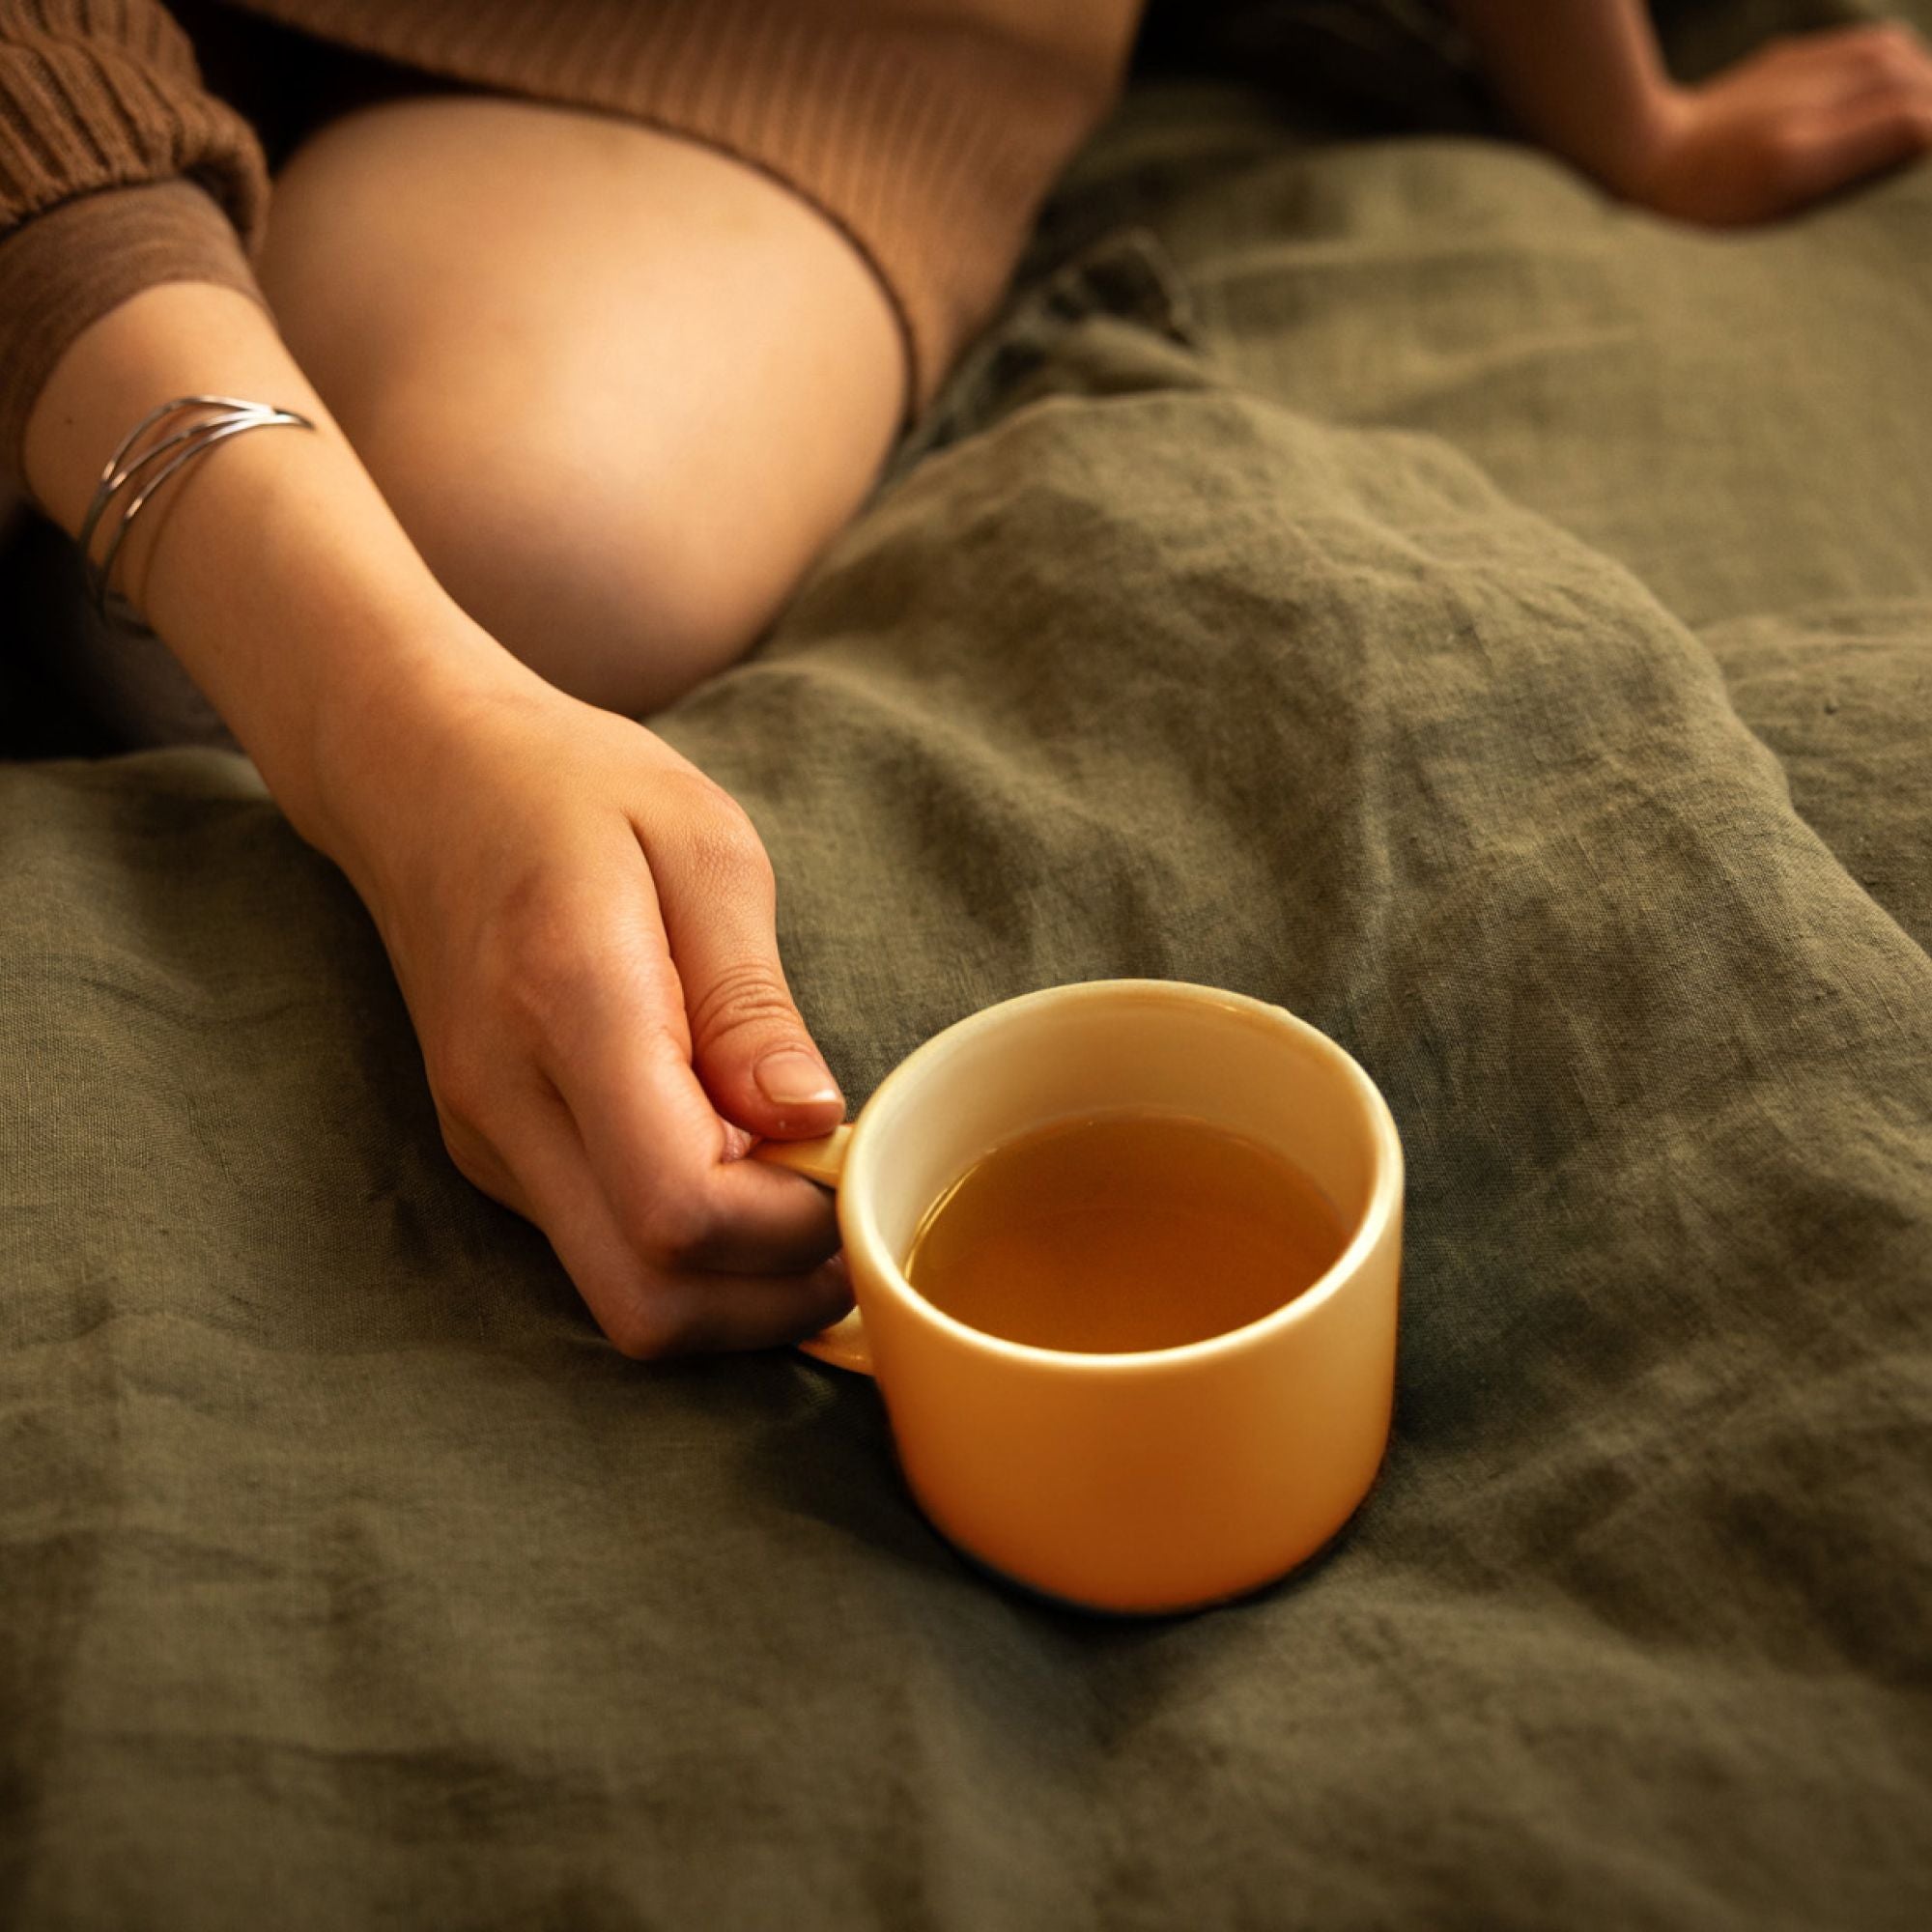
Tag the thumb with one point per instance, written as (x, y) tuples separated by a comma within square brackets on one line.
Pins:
[(749, 1046)]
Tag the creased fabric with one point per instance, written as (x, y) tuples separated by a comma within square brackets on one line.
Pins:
[(1382, 577)]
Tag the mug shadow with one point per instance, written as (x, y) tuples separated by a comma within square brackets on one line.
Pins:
[(839, 1465)]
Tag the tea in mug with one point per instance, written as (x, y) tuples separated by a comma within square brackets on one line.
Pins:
[(1123, 1231)]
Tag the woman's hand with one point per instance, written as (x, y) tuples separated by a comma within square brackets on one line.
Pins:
[(580, 921), (583, 926), (1790, 124)]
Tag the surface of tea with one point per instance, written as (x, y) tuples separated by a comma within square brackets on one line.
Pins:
[(1123, 1232)]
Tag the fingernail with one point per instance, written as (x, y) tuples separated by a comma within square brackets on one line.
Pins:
[(791, 1077)]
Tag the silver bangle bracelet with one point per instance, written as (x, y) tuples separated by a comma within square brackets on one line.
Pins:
[(124, 488)]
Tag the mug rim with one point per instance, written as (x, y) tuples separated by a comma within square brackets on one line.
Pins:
[(859, 1222)]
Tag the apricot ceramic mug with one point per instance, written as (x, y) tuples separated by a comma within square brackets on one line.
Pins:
[(1149, 1482)]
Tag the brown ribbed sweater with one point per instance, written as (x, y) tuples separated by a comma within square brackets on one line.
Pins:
[(928, 129)]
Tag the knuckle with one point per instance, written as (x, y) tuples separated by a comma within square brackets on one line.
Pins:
[(743, 997), (471, 1163), (1786, 157), (725, 848), (755, 863), (1913, 92), (673, 1228), (682, 790), (469, 1153), (458, 1083), (715, 834)]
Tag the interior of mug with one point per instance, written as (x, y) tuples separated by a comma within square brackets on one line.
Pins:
[(1116, 1046)]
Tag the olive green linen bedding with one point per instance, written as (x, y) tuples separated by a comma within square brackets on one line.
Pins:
[(1379, 575)]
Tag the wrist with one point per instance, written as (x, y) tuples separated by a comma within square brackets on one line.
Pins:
[(379, 727), (1653, 119)]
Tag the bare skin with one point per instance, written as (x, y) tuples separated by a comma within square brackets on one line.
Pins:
[(621, 487), (620, 430), (573, 459), (1799, 120)]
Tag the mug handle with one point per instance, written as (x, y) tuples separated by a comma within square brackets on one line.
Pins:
[(843, 1344)]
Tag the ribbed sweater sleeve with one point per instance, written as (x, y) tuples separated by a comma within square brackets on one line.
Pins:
[(116, 170)]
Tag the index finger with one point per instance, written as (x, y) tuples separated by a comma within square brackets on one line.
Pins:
[(668, 1165), (647, 1313)]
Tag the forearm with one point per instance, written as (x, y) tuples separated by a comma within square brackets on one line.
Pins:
[(1583, 78), (1798, 121), (270, 564)]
